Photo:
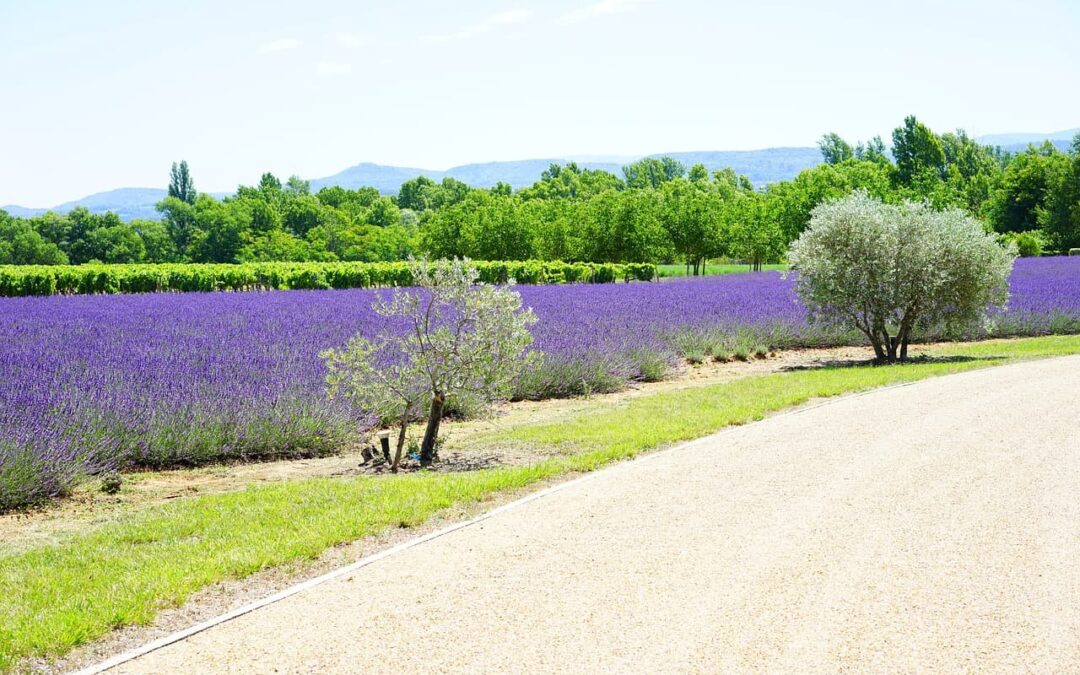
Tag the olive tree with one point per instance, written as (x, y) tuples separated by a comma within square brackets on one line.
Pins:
[(889, 270), (450, 338)]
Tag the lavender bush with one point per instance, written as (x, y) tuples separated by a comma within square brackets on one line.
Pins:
[(91, 382)]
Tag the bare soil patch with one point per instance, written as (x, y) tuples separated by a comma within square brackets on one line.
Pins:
[(467, 446)]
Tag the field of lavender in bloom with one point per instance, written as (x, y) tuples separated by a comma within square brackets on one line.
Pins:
[(97, 382)]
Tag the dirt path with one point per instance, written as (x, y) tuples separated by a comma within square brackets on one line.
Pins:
[(933, 527)]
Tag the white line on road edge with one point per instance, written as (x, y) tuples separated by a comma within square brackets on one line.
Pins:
[(364, 562)]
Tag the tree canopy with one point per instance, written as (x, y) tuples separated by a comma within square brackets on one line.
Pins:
[(656, 211), (889, 270)]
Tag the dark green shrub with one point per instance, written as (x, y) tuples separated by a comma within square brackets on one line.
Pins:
[(604, 274), (187, 277)]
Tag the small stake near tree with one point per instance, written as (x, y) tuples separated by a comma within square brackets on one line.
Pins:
[(466, 342), (890, 270)]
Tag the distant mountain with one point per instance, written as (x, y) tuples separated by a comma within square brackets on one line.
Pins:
[(22, 212), (518, 174), (760, 166), (1023, 140), (387, 179), (128, 203), (1021, 147)]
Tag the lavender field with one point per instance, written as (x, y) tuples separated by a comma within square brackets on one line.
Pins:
[(95, 382)]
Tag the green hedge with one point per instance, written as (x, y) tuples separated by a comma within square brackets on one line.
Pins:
[(19, 280)]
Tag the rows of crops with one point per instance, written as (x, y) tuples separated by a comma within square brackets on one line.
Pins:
[(25, 280), (98, 381)]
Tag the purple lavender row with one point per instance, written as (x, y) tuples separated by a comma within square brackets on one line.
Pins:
[(90, 382)]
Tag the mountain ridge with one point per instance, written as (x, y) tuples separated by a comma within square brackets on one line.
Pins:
[(762, 166)]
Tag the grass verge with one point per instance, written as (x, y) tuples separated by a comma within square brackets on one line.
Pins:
[(55, 598), (712, 269)]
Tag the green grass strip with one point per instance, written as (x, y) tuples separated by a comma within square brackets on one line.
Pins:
[(714, 269), (58, 597)]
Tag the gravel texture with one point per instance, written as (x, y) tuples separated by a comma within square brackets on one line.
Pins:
[(933, 527)]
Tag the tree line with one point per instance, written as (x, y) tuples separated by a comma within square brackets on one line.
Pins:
[(658, 210)]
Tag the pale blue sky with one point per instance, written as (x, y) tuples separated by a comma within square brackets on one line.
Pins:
[(104, 94)]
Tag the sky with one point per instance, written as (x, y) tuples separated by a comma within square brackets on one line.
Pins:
[(106, 94)]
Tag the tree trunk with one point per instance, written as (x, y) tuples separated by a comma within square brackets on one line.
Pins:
[(879, 350), (427, 448), (400, 443), (905, 335), (882, 343), (893, 342)]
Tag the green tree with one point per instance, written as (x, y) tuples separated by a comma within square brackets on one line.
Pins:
[(652, 172), (302, 213), (625, 227), (269, 184), (281, 245), (889, 270), (918, 151), (693, 220), (873, 151), (835, 149), (558, 231), (1059, 217), (383, 212), (181, 185), (221, 231), (1025, 187), (790, 203), (419, 194), (21, 244), (569, 181), (698, 173), (157, 243), (298, 186), (118, 243), (340, 238), (82, 225), (484, 226), (466, 344), (753, 234), (180, 220)]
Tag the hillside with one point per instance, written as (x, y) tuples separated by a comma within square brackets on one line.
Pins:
[(128, 203), (1023, 140), (765, 166), (761, 166)]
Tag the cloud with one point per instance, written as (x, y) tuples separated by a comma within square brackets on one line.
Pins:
[(330, 69), (509, 17), (281, 45), (599, 9)]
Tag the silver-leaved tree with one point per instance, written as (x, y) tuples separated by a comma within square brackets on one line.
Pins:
[(889, 270), (449, 339)]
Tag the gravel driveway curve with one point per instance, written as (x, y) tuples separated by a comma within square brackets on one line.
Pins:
[(932, 527)]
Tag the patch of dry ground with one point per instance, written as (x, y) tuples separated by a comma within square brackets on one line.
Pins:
[(467, 446), (926, 528), (467, 441)]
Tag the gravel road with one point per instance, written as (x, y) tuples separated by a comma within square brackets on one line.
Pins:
[(932, 527)]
